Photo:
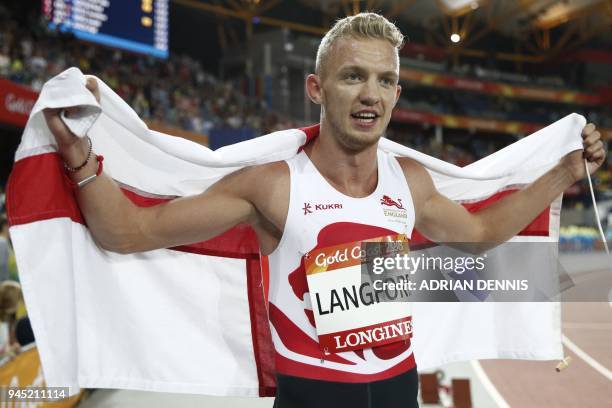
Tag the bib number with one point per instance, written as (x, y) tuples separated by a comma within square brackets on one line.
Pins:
[(350, 312)]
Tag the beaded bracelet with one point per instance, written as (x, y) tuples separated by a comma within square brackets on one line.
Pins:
[(75, 169), (87, 179)]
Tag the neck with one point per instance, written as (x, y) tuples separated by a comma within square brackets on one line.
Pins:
[(353, 173)]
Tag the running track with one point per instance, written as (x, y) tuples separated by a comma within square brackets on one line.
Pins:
[(587, 382)]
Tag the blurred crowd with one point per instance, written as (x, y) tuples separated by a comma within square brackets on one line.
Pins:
[(177, 91), (423, 141), (497, 107), (559, 75)]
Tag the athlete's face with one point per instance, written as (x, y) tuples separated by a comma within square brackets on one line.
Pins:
[(357, 89)]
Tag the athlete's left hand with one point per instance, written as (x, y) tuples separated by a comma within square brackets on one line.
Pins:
[(593, 151)]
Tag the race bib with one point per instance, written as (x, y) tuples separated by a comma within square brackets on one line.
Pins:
[(352, 307)]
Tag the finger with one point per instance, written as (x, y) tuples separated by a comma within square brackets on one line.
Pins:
[(55, 124), (52, 116), (49, 113), (69, 112), (52, 111), (92, 85), (599, 155), (596, 156), (592, 138), (590, 150), (589, 128)]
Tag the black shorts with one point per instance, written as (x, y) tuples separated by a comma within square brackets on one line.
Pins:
[(400, 391)]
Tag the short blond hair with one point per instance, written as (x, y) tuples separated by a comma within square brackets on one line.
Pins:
[(362, 25)]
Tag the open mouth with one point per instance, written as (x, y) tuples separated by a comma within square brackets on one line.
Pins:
[(365, 118)]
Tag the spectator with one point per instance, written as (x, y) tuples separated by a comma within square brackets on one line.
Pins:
[(176, 91)]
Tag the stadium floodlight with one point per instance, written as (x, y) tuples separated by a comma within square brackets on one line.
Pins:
[(455, 37)]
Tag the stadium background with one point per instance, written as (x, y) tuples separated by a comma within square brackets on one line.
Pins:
[(476, 76)]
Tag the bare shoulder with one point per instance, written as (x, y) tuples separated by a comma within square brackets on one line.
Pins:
[(271, 182), (251, 180), (410, 165), (419, 180), (265, 187), (415, 172), (266, 178), (274, 170)]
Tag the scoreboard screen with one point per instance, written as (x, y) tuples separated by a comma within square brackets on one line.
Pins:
[(135, 25)]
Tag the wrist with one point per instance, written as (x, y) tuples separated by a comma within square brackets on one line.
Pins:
[(90, 168), (75, 154), (88, 163), (564, 175), (86, 175)]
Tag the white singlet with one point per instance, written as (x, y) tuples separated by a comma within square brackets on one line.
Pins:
[(320, 216)]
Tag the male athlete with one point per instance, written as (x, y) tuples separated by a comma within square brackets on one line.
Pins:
[(356, 84)]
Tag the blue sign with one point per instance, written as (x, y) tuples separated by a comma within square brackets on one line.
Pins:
[(134, 25)]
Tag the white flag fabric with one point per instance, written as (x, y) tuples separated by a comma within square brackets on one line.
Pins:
[(193, 319)]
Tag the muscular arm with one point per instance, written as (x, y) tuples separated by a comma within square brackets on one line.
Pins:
[(442, 220), (119, 225)]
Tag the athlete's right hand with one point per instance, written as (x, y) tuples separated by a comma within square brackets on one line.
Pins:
[(73, 149)]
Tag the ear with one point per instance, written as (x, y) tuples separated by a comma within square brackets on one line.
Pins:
[(313, 88), (398, 91)]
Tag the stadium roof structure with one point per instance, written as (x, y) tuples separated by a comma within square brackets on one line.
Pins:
[(515, 30)]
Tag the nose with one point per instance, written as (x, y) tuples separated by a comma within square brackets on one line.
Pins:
[(370, 93)]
